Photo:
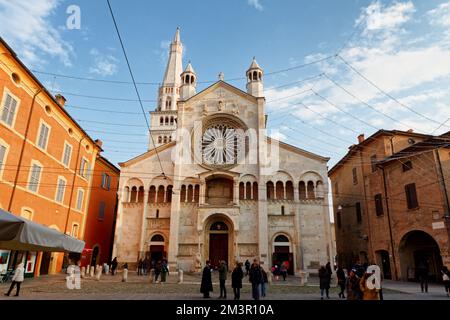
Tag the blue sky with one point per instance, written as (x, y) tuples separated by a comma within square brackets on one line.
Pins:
[(402, 46)]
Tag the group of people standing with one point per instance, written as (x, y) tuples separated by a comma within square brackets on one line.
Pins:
[(256, 274)]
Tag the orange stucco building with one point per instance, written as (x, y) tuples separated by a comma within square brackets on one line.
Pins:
[(45, 161), (102, 211)]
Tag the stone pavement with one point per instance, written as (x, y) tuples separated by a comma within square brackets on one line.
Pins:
[(139, 288)]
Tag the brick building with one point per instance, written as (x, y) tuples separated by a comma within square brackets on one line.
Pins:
[(45, 161), (100, 223), (391, 204)]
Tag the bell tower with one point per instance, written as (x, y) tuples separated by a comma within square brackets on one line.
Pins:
[(255, 80)]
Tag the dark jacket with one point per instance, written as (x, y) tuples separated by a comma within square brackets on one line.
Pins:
[(206, 285), (324, 277), (264, 276), (236, 277), (340, 276), (223, 271), (255, 274)]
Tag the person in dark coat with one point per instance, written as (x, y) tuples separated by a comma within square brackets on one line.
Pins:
[(324, 278), (140, 266), (255, 277), (423, 275), (114, 265), (353, 288), (206, 285), (158, 269), (341, 281), (446, 279), (247, 267), (264, 282), (236, 280)]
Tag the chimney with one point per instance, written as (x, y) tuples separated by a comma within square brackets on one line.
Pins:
[(61, 100), (361, 138), (99, 143)]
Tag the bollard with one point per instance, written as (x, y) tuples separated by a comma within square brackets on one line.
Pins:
[(125, 275), (270, 277), (152, 275), (180, 276), (303, 278), (92, 271), (99, 273), (83, 272)]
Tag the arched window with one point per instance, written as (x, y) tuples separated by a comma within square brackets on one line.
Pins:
[(161, 121), (126, 194), (197, 193), (170, 138), (281, 238), (241, 191), (190, 193), (319, 190), (280, 190), (310, 190), (160, 198), (301, 190), (165, 139), (255, 190), (270, 190), (171, 121), (169, 194), (183, 193), (152, 194), (289, 190), (282, 210), (157, 213), (167, 121), (219, 226), (255, 75), (188, 80), (133, 194), (159, 139), (248, 190), (157, 238), (141, 195)]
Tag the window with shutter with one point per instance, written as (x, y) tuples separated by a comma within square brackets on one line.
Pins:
[(9, 110), (67, 154), (35, 176), (101, 211), (2, 158), (43, 136), (411, 196), (379, 204), (61, 190)]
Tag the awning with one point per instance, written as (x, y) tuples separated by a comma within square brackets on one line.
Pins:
[(17, 233)]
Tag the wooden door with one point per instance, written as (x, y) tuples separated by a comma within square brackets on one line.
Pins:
[(218, 248)]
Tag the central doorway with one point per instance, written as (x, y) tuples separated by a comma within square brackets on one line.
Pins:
[(220, 243)]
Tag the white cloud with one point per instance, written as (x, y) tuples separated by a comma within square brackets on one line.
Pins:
[(440, 16), (256, 4), (25, 26), (377, 16), (104, 65)]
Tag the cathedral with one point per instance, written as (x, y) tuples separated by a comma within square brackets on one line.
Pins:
[(214, 185)]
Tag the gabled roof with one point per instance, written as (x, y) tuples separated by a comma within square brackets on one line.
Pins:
[(226, 85), (376, 135), (300, 151), (147, 154), (417, 148)]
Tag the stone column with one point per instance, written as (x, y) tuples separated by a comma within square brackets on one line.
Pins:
[(143, 223), (193, 193), (174, 227), (236, 191), (202, 196), (263, 226), (296, 194)]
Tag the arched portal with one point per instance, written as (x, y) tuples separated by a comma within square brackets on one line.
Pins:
[(157, 248), (418, 248), (383, 260), (219, 240), (282, 252)]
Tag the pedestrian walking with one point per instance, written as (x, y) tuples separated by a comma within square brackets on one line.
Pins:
[(164, 271), (446, 280), (329, 270), (324, 278), (114, 265), (264, 282), (255, 278), (140, 266), (283, 270), (340, 274), (247, 267), (236, 280), (17, 279), (223, 271), (206, 284), (423, 275), (352, 284), (158, 269), (145, 266)]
